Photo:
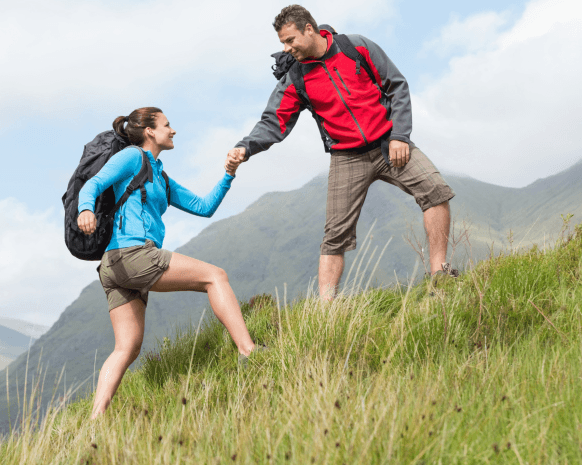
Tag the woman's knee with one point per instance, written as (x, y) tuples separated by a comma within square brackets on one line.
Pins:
[(219, 276), (129, 352)]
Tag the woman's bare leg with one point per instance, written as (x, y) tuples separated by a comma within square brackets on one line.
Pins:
[(128, 326), (188, 274)]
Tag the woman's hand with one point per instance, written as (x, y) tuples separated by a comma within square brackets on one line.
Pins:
[(87, 222), (233, 160)]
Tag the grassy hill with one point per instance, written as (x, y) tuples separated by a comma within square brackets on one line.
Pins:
[(481, 369), (276, 242)]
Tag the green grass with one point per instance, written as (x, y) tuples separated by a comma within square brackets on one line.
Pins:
[(482, 369)]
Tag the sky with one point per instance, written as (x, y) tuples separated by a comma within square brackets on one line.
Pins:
[(494, 84)]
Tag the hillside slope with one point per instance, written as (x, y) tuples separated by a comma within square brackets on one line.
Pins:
[(484, 368), (275, 241)]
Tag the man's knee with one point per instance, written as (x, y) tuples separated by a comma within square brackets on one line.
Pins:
[(337, 245), (443, 207)]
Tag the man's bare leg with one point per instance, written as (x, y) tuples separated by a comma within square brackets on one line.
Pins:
[(436, 222), (331, 268)]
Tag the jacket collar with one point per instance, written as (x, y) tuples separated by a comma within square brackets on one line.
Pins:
[(152, 160), (329, 37)]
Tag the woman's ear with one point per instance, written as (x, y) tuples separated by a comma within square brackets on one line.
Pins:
[(150, 132)]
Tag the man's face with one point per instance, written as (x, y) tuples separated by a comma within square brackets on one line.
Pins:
[(299, 44)]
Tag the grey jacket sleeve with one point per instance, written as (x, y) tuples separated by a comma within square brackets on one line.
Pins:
[(394, 85), (277, 121)]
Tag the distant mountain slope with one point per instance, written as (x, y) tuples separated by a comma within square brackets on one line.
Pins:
[(276, 240), (5, 361), (12, 344), (25, 327)]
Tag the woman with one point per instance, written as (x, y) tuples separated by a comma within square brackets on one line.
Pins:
[(134, 262)]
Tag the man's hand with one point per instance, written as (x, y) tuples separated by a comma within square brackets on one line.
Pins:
[(399, 153), (87, 222), (234, 158)]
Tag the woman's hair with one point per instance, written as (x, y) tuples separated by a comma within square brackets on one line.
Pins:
[(137, 121), (295, 14)]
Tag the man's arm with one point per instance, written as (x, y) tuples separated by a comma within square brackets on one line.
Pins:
[(276, 122)]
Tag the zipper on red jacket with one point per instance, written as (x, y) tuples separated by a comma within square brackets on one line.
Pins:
[(340, 76), (345, 103)]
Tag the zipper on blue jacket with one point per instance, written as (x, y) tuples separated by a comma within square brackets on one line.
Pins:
[(340, 76), (343, 100)]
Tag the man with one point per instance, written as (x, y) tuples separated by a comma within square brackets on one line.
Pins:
[(366, 129)]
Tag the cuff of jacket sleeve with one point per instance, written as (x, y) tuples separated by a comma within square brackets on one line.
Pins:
[(227, 179), (86, 206), (247, 150), (399, 137)]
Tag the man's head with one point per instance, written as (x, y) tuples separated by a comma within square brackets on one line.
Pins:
[(298, 32)]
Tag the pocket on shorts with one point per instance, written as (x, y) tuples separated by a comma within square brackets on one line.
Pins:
[(111, 257), (113, 272)]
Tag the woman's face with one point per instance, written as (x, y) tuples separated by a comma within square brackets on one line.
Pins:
[(163, 134)]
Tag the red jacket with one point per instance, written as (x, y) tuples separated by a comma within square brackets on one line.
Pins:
[(353, 109)]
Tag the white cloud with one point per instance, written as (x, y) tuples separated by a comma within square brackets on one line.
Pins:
[(62, 55), (38, 276), (509, 114), (476, 32)]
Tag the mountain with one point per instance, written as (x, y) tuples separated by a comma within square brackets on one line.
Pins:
[(25, 327), (12, 344), (275, 241)]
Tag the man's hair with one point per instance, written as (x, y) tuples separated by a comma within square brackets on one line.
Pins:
[(295, 14)]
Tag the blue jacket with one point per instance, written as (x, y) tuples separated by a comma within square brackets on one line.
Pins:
[(135, 222)]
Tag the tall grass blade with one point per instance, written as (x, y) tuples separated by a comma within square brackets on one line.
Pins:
[(347, 280), (377, 263)]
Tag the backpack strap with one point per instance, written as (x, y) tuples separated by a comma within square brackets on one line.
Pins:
[(296, 75), (348, 49), (167, 179), (145, 174)]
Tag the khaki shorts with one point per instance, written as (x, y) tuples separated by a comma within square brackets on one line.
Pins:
[(350, 176), (129, 273)]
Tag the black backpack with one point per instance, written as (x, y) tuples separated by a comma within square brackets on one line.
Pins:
[(95, 154), (285, 63)]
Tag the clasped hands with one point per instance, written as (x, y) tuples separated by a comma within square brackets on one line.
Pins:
[(234, 158)]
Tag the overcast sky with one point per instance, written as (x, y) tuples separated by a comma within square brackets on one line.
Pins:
[(495, 96)]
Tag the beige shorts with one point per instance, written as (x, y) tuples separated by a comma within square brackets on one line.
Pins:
[(129, 273), (350, 176)]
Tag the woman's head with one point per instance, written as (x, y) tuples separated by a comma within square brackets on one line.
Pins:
[(148, 124)]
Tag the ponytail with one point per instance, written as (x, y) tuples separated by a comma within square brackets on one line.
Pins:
[(137, 121)]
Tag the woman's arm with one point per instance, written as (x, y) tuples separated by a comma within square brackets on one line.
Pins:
[(189, 202), (120, 166)]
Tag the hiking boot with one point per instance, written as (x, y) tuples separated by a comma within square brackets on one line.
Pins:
[(448, 270), (243, 359), (442, 276)]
